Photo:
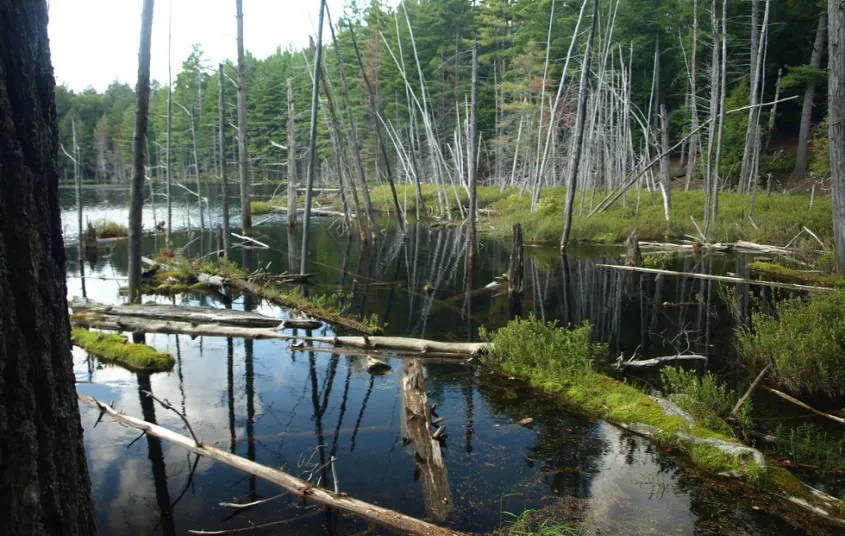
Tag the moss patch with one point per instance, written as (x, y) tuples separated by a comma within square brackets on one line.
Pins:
[(782, 273), (114, 348)]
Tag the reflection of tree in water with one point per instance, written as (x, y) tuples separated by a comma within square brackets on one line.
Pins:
[(567, 448), (156, 456)]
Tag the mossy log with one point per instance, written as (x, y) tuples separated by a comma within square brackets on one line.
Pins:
[(197, 315), (114, 348)]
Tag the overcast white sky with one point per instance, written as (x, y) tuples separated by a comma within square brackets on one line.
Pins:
[(94, 42)]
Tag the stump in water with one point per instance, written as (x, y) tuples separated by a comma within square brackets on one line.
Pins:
[(633, 256), (89, 239), (516, 268)]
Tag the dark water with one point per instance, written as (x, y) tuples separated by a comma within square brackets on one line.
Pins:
[(295, 409)]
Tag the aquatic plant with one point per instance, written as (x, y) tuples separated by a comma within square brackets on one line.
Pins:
[(110, 229), (803, 341), (780, 272), (809, 444), (114, 348)]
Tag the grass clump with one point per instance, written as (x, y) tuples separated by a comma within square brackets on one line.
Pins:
[(809, 444), (705, 398), (260, 208), (115, 348), (783, 273), (110, 229), (803, 341)]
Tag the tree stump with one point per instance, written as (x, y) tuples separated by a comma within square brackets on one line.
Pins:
[(633, 256), (515, 274)]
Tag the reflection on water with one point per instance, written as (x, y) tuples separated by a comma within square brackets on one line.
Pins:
[(297, 409)]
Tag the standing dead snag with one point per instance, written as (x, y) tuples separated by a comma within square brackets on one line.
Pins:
[(142, 91), (516, 267), (224, 196), (243, 147), (578, 141), (472, 155), (312, 140), (291, 157), (802, 157)]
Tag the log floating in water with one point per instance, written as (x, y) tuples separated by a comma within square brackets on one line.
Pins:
[(620, 364), (727, 279), (428, 455), (418, 346), (191, 314), (300, 488)]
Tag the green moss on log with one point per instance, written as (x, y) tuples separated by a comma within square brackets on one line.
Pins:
[(782, 273), (114, 348)]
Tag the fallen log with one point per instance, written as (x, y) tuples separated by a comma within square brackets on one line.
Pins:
[(750, 390), (192, 314), (800, 404), (300, 488), (419, 346), (725, 278), (620, 364), (428, 455)]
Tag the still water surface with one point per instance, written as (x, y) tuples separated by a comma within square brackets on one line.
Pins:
[(294, 409)]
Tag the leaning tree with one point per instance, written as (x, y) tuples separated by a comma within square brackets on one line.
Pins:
[(44, 484)]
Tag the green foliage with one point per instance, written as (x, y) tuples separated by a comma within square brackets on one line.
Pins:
[(804, 342), (782, 273), (779, 164), (809, 444), (820, 149), (114, 348), (705, 398), (798, 76), (110, 229), (531, 523)]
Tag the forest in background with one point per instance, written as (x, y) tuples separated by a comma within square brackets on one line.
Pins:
[(512, 38)]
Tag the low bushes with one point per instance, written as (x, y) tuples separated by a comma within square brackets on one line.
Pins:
[(804, 342), (110, 229)]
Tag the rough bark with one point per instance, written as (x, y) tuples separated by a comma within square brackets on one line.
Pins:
[(836, 93), (665, 176), (243, 147), (167, 240), (43, 473), (802, 157), (224, 198), (575, 162), (292, 177), (142, 93)]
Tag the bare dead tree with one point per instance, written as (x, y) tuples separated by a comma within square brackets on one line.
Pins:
[(221, 128), (243, 146), (473, 156), (142, 92), (802, 157), (292, 175)]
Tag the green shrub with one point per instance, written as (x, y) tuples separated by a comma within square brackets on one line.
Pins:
[(804, 342), (530, 343), (705, 398), (110, 229), (820, 149)]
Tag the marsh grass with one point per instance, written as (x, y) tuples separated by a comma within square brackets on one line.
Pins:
[(809, 444), (707, 399), (114, 348), (110, 229), (803, 341)]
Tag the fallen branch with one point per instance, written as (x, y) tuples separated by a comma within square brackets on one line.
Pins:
[(750, 390), (725, 278), (800, 404), (254, 241), (300, 488), (620, 364)]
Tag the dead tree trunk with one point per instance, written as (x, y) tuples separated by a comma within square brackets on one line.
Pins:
[(473, 157), (692, 157), (243, 147), (167, 241), (221, 103), (802, 158), (665, 177), (142, 92), (77, 184), (44, 476), (374, 118), (836, 92), (515, 274), (575, 159), (291, 157), (753, 131), (312, 140)]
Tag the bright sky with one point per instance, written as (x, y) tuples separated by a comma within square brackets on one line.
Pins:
[(94, 42)]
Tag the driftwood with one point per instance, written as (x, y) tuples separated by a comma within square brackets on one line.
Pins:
[(300, 488), (193, 315), (800, 404), (428, 456), (418, 346), (725, 278), (620, 364)]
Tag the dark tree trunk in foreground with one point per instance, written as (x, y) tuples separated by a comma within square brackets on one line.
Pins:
[(802, 159), (836, 92), (44, 484), (142, 92)]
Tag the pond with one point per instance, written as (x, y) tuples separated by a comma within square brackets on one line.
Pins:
[(294, 409)]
